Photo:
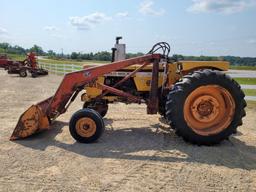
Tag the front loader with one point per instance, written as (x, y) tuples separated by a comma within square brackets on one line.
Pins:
[(203, 105)]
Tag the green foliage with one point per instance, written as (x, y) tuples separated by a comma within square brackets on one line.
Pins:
[(74, 55), (37, 49), (131, 55), (16, 57), (7, 48), (103, 56), (100, 56), (240, 61), (234, 61)]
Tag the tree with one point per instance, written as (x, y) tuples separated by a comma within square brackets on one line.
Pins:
[(4, 46), (37, 49), (51, 54), (131, 55), (103, 56), (74, 55)]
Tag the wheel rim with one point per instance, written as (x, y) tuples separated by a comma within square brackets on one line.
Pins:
[(209, 109), (23, 73), (85, 127)]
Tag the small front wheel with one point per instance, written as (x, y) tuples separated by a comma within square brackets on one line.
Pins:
[(86, 126), (23, 73)]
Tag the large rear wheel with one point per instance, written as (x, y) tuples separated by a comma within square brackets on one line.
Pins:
[(206, 107)]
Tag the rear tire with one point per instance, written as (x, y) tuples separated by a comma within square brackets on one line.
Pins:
[(86, 126), (219, 116)]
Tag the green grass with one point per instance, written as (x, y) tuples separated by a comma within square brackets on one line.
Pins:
[(246, 81), (16, 57), (250, 92), (70, 61), (243, 67), (55, 61)]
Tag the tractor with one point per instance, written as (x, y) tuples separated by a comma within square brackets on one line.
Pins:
[(198, 99), (22, 67)]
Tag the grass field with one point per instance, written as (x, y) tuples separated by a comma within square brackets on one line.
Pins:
[(246, 81), (70, 61), (55, 61), (250, 92), (242, 67), (16, 57)]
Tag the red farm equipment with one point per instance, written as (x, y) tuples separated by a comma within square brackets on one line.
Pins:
[(22, 67)]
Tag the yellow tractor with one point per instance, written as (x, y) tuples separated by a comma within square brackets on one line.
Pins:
[(197, 98)]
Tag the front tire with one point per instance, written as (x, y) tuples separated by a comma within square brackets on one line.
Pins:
[(86, 126), (206, 107), (23, 73)]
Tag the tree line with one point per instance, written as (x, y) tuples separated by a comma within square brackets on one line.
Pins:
[(236, 61), (107, 56), (100, 56)]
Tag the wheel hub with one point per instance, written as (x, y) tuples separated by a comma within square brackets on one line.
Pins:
[(85, 127), (205, 108), (209, 109)]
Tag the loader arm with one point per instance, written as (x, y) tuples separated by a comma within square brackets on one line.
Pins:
[(38, 117)]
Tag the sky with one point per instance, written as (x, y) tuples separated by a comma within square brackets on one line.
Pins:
[(191, 27)]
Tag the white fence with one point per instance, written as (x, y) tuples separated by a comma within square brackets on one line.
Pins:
[(60, 69)]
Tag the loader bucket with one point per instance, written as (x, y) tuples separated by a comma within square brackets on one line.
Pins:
[(33, 120)]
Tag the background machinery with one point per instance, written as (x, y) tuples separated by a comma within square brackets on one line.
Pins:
[(22, 67), (200, 102)]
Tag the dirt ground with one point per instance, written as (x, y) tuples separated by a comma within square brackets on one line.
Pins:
[(136, 152)]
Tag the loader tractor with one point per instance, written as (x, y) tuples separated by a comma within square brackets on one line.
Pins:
[(200, 102)]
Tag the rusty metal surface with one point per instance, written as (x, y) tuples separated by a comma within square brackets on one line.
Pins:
[(152, 107), (30, 122)]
